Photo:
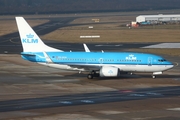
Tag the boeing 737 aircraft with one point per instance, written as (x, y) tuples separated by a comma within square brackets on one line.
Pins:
[(102, 64)]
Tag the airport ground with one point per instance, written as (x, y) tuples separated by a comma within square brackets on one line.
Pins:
[(31, 91)]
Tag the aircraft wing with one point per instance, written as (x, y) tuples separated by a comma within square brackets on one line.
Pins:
[(85, 67)]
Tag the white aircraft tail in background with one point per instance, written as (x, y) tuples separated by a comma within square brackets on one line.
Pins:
[(29, 39)]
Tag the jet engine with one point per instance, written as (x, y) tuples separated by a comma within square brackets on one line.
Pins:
[(109, 71)]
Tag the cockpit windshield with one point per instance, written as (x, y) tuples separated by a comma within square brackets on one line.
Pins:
[(161, 60)]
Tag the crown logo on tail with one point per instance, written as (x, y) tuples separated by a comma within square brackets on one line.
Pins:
[(29, 36)]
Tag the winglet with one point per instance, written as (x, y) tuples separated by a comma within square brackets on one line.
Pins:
[(86, 48)]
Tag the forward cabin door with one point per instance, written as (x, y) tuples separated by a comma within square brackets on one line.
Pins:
[(149, 61)]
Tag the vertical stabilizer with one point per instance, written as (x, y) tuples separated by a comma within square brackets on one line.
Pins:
[(30, 40)]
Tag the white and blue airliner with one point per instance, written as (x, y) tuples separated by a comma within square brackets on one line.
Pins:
[(102, 64)]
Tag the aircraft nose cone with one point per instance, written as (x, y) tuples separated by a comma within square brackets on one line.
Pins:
[(171, 65)]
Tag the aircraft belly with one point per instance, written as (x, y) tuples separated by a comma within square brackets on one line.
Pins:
[(142, 68), (127, 68)]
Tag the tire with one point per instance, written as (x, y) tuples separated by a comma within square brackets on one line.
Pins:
[(90, 76)]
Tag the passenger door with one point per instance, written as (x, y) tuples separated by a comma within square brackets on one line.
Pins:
[(149, 61)]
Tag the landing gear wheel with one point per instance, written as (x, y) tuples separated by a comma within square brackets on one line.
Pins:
[(153, 76), (90, 76), (93, 72)]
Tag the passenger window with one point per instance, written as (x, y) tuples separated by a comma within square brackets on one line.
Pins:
[(161, 60)]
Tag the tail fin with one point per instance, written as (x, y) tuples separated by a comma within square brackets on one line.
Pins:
[(30, 40)]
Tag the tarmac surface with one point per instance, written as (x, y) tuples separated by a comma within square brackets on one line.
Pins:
[(31, 91), (164, 45), (10, 43), (89, 98)]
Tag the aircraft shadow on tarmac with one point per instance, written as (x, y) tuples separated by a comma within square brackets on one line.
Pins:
[(123, 76)]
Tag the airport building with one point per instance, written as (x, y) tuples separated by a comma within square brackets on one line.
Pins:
[(157, 18)]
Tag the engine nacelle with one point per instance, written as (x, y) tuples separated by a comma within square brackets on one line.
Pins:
[(109, 71)]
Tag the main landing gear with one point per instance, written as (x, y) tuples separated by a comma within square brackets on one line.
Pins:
[(92, 74), (153, 76)]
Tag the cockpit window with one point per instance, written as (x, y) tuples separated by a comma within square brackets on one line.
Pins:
[(161, 60)]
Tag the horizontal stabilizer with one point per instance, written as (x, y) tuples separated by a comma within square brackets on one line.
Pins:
[(27, 54)]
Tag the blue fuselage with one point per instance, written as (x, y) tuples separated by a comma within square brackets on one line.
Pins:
[(97, 58)]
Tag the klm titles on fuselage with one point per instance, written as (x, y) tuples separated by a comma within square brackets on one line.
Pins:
[(29, 39)]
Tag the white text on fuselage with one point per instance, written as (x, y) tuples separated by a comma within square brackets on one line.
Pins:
[(131, 57)]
